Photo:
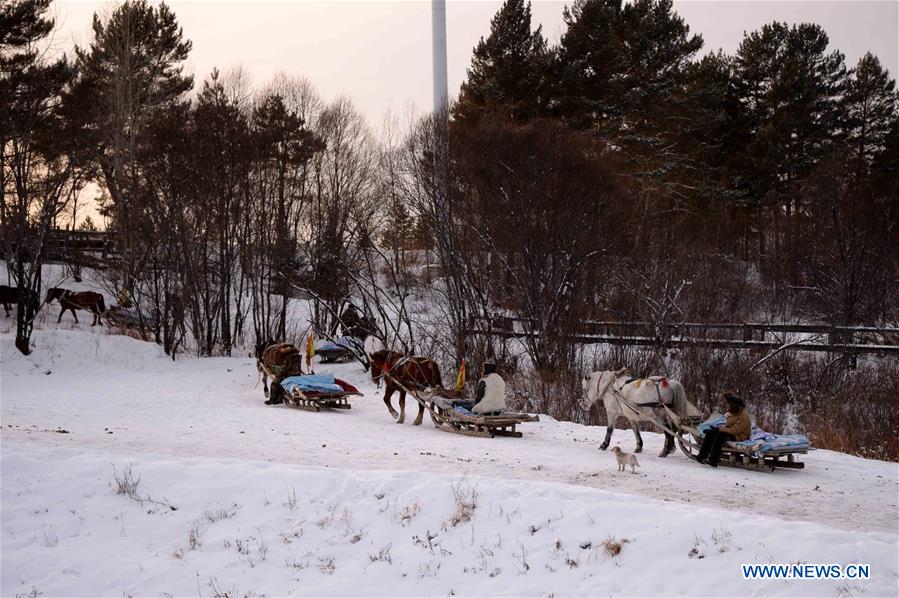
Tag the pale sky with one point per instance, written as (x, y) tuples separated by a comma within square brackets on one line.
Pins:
[(379, 52)]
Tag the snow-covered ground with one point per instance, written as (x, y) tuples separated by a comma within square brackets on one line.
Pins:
[(277, 501)]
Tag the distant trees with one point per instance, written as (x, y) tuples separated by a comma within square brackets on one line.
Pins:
[(732, 155), (131, 72), (40, 166)]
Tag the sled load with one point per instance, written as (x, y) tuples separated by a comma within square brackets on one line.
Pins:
[(762, 452), (344, 349), (446, 409), (314, 392)]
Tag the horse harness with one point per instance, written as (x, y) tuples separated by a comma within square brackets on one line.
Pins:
[(617, 391), (399, 363)]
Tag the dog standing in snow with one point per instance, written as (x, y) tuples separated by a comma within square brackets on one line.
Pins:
[(625, 459)]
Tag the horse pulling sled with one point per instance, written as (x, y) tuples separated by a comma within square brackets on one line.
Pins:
[(441, 404), (662, 401), (283, 363)]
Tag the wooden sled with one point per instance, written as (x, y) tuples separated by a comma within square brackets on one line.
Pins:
[(298, 400), (316, 401), (734, 455), (334, 355), (450, 420)]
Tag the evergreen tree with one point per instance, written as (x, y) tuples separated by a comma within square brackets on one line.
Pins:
[(871, 110), (22, 23), (705, 112), (789, 87), (130, 73), (509, 69), (620, 63)]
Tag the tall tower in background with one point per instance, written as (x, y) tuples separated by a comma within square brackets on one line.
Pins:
[(438, 34)]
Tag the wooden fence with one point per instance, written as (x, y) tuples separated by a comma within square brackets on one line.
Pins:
[(852, 340)]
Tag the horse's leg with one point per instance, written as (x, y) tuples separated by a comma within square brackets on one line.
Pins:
[(74, 315), (421, 413), (669, 445), (93, 313), (635, 426), (609, 429), (387, 394), (402, 407)]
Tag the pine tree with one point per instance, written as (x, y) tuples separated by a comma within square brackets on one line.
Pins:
[(131, 72), (620, 63), (22, 23), (509, 69), (871, 111), (789, 87)]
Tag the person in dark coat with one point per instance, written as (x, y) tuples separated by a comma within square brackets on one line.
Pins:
[(737, 427)]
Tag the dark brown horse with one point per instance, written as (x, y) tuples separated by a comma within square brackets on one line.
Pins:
[(10, 295), (278, 361), (413, 372), (70, 301)]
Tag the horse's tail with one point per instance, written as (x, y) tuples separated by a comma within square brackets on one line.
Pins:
[(101, 305)]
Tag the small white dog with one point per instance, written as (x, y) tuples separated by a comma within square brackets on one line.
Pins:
[(625, 459)]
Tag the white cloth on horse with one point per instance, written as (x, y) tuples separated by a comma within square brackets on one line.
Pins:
[(494, 398)]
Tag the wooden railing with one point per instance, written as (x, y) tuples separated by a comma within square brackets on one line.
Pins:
[(797, 337)]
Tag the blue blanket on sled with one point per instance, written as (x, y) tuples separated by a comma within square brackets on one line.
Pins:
[(759, 440), (343, 343), (311, 382)]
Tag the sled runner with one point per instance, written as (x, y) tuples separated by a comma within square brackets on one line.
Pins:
[(763, 452), (317, 392), (446, 415)]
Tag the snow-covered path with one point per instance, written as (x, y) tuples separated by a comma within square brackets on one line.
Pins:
[(276, 501), (119, 395)]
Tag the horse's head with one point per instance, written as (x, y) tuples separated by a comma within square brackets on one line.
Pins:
[(53, 293), (377, 360), (595, 386), (261, 346)]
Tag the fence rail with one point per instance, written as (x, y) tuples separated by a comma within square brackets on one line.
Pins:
[(853, 340)]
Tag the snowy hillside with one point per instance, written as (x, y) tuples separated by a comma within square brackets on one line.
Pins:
[(274, 501)]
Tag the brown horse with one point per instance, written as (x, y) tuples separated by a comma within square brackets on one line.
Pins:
[(278, 361), (70, 301), (412, 372), (10, 295)]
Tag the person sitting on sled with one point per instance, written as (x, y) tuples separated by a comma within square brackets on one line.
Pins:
[(737, 427), (490, 395)]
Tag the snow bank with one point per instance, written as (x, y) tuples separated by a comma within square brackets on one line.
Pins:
[(250, 528)]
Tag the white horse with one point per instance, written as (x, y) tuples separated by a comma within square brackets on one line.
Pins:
[(638, 399)]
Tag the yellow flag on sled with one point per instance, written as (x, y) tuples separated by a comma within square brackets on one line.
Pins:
[(460, 379), (310, 350)]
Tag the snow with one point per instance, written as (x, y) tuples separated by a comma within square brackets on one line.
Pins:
[(368, 494)]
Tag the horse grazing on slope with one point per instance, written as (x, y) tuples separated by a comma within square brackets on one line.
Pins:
[(70, 301), (278, 361), (655, 399), (411, 372), (10, 295)]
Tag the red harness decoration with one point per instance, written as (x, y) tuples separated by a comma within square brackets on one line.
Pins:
[(664, 382)]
